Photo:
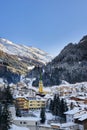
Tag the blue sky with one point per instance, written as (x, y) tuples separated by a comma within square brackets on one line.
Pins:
[(45, 24)]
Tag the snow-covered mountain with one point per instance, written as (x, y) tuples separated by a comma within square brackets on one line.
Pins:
[(70, 65), (21, 51)]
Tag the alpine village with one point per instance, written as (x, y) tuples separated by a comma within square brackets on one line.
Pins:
[(41, 92)]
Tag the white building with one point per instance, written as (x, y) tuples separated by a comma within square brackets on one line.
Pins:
[(14, 127), (65, 126), (72, 113), (12, 110), (29, 122)]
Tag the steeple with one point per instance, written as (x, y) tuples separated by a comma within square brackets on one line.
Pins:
[(40, 76), (40, 84)]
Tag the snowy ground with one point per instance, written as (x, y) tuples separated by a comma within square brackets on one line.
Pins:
[(49, 116), (14, 127)]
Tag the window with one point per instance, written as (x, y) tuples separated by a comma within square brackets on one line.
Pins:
[(24, 122), (20, 122)]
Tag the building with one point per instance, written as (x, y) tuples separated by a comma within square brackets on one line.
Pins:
[(22, 103), (43, 91), (79, 99), (82, 121), (30, 103), (73, 113), (12, 111), (64, 126), (37, 103), (30, 122), (40, 85)]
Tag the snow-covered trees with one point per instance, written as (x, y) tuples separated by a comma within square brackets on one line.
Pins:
[(8, 96), (5, 115), (58, 107)]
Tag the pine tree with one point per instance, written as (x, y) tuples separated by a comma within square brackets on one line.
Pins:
[(5, 118), (18, 113), (5, 113), (71, 105), (62, 109), (54, 105), (51, 106), (58, 105), (0, 113), (65, 109), (42, 115), (8, 96)]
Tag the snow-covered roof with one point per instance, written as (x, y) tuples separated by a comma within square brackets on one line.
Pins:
[(78, 115), (68, 124), (45, 125), (48, 96), (47, 89), (33, 88), (81, 97), (19, 96), (40, 99), (72, 112), (83, 117), (27, 118), (64, 124), (55, 124)]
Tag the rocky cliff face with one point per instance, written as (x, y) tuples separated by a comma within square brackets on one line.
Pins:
[(69, 65)]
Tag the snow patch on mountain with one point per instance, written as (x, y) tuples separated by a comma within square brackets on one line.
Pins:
[(24, 51)]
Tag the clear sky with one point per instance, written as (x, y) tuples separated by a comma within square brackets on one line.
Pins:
[(45, 24)]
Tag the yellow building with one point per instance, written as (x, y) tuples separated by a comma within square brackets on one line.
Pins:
[(31, 103), (36, 104), (22, 103)]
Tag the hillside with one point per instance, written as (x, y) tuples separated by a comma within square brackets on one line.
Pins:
[(69, 65), (19, 59), (26, 54)]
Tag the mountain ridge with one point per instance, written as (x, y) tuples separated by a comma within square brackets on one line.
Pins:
[(24, 51), (70, 65), (19, 59)]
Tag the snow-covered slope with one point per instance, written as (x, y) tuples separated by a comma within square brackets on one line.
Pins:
[(24, 51)]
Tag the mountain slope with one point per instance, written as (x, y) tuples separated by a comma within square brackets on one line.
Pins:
[(19, 59), (69, 65), (30, 53)]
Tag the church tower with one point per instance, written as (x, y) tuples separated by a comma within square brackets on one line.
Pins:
[(40, 84)]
